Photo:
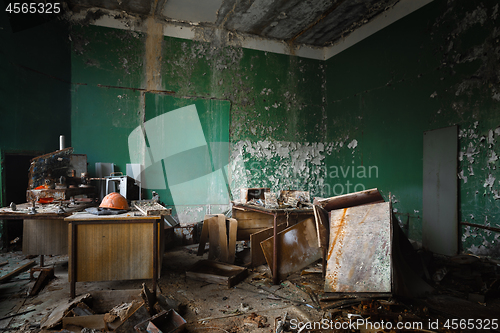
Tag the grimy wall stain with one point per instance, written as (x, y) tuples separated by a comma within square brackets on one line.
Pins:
[(353, 122)]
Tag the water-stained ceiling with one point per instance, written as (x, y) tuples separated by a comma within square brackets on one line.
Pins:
[(315, 23)]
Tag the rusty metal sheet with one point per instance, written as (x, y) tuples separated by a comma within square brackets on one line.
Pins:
[(360, 258), (298, 248)]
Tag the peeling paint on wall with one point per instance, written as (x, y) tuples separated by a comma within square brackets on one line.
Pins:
[(278, 164), (479, 151), (483, 54), (283, 165)]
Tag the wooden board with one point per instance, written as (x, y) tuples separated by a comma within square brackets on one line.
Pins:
[(115, 251), (256, 254), (92, 322), (250, 222), (47, 237), (216, 237), (298, 248), (204, 234), (360, 255), (62, 308), (17, 271), (222, 237), (233, 229), (84, 216), (104, 300), (217, 272)]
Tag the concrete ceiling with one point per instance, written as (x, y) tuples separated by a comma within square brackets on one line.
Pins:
[(313, 24)]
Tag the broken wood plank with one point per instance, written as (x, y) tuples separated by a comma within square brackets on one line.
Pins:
[(135, 318), (233, 229), (82, 309), (298, 248), (214, 250), (105, 300), (16, 314), (61, 310), (17, 271), (350, 200), (256, 254), (217, 272), (148, 297), (46, 274), (4, 263), (221, 223), (92, 322), (204, 234)]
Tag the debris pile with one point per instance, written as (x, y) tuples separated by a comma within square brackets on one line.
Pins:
[(136, 311)]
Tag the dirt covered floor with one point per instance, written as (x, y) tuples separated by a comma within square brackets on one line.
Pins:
[(465, 298)]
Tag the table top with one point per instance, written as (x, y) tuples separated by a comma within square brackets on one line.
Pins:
[(242, 206), (131, 215), (43, 211)]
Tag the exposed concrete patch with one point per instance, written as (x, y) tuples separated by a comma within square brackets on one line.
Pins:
[(153, 56)]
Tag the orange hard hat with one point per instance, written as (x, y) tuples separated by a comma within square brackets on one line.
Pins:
[(114, 200)]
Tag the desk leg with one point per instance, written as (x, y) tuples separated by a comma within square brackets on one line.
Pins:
[(155, 254), (276, 279), (73, 261)]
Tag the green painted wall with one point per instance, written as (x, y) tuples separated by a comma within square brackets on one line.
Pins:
[(34, 86), (353, 122), (274, 99), (437, 67)]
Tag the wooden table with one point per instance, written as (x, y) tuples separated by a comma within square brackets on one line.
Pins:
[(240, 212), (114, 247), (45, 232)]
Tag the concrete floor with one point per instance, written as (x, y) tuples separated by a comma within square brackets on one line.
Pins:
[(250, 306)]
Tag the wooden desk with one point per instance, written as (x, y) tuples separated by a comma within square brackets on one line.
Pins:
[(114, 247), (250, 219), (44, 233)]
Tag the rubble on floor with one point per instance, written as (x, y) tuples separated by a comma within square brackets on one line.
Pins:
[(255, 304), (339, 265)]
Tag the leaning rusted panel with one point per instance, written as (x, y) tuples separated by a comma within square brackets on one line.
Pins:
[(297, 248), (359, 256)]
